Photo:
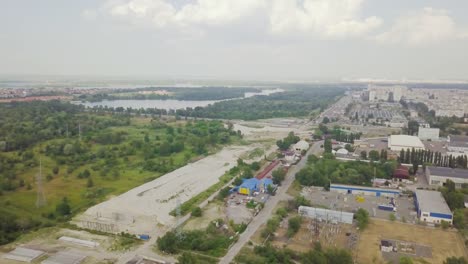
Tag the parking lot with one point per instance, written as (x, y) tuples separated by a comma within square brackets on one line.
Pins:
[(351, 203)]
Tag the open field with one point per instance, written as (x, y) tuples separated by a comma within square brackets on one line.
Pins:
[(443, 243), (330, 236), (141, 209)]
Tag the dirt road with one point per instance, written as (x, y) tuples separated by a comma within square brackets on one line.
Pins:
[(267, 211)]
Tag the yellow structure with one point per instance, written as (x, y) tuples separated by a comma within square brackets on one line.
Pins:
[(244, 190), (360, 199)]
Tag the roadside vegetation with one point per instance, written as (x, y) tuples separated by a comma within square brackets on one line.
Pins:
[(85, 157), (270, 254)]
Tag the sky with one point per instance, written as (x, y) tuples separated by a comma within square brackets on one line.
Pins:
[(287, 40)]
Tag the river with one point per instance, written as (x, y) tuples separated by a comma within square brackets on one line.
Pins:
[(166, 104)]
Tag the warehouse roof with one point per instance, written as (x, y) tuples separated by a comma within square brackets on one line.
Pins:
[(405, 141), (448, 172), (458, 141), (432, 201)]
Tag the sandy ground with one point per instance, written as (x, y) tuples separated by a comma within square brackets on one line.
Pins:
[(141, 209), (443, 243)]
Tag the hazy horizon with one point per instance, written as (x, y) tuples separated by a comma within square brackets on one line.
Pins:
[(257, 40)]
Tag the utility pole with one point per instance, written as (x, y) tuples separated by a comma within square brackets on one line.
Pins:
[(40, 200)]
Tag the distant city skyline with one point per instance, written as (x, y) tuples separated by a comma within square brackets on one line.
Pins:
[(277, 40)]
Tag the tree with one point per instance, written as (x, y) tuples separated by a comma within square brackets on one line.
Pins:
[(196, 212), (63, 208), (455, 260), (459, 218), (374, 155), (168, 243), (278, 176), (294, 224), (362, 218), (364, 154), (327, 146), (326, 120), (89, 183), (187, 258), (349, 148), (406, 260)]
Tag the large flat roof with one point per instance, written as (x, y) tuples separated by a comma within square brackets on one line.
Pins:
[(448, 172), (458, 141), (363, 188), (405, 141), (432, 201)]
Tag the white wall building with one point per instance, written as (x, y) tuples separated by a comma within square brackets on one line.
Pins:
[(399, 142), (384, 93), (438, 176), (432, 208), (428, 133)]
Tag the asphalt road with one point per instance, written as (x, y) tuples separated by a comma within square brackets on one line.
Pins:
[(267, 211)]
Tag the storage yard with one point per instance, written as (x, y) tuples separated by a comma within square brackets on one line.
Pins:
[(405, 208), (442, 243)]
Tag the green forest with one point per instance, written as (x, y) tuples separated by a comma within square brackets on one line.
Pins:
[(320, 172), (86, 157), (297, 102)]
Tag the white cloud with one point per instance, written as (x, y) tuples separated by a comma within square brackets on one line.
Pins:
[(328, 18), (89, 14), (325, 18), (424, 27), (162, 13)]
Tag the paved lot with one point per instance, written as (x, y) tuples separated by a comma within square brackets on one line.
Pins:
[(349, 203)]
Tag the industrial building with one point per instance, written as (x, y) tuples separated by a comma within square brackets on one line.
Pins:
[(363, 190), (326, 215), (425, 133), (399, 142), (439, 176), (457, 145), (250, 186), (431, 207)]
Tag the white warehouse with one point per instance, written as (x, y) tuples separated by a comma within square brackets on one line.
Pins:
[(399, 142), (326, 215), (432, 208)]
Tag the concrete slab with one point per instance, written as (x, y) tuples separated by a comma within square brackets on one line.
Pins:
[(23, 254), (65, 257)]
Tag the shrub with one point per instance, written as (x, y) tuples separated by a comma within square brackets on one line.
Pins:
[(197, 212)]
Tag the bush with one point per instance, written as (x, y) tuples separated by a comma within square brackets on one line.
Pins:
[(197, 212), (392, 217), (282, 212), (294, 224), (362, 218), (444, 224)]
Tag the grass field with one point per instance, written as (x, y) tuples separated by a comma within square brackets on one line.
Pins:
[(444, 243), (114, 168)]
